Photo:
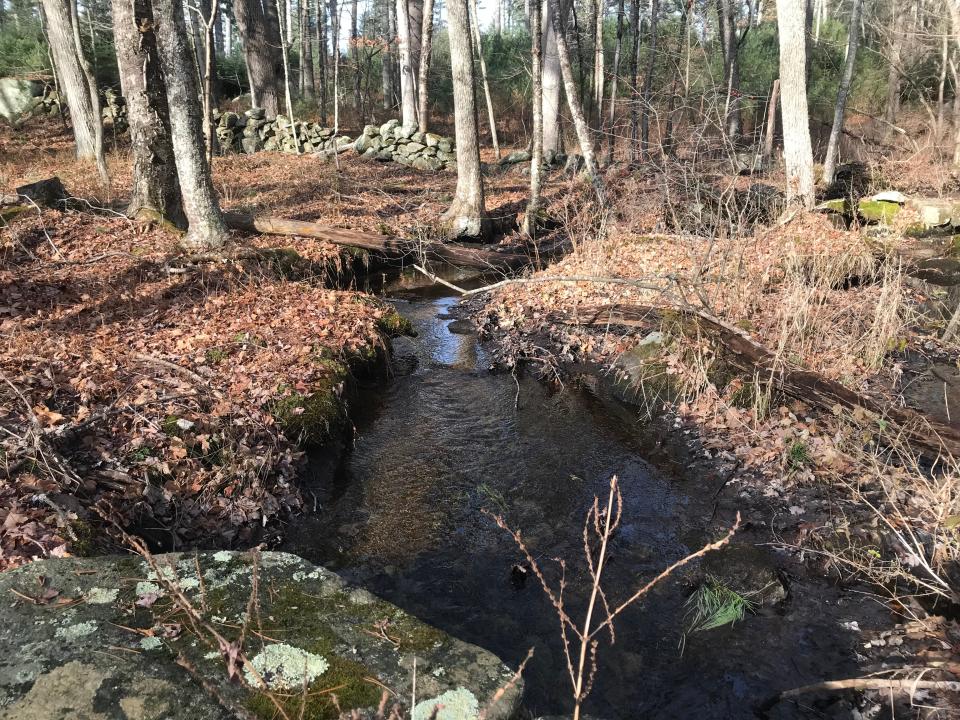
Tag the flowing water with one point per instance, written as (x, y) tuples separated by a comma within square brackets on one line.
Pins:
[(445, 438)]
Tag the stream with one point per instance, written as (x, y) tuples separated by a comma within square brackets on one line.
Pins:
[(445, 438)]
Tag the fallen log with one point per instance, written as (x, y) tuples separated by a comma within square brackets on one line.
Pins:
[(388, 245), (931, 437)]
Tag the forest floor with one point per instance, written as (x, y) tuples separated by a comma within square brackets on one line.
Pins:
[(171, 397)]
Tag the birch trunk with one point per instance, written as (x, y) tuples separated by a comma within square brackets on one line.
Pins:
[(206, 229), (70, 76), (90, 84), (853, 41), (156, 190), (797, 152), (408, 93), (466, 216), (576, 109), (531, 217)]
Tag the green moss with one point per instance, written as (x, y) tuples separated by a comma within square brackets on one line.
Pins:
[(393, 324), (837, 205), (170, 427), (877, 211), (215, 356), (83, 538), (345, 678), (308, 417), (798, 455)]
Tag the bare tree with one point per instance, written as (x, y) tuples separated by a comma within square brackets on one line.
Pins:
[(206, 229), (70, 76), (466, 216), (648, 79), (797, 151), (615, 76), (727, 17), (208, 16), (156, 189), (853, 40), (259, 24), (335, 49), (426, 47), (285, 51), (599, 6), (355, 55), (531, 217), (322, 60), (894, 61), (576, 109), (475, 29), (635, 80)]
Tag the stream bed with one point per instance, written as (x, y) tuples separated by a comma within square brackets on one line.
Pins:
[(444, 438)]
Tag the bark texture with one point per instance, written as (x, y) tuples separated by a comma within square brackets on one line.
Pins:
[(552, 80), (531, 217), (70, 75), (156, 189), (259, 26), (206, 229), (797, 151), (466, 217)]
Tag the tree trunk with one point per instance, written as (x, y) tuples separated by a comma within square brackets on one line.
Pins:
[(408, 80), (598, 58), (208, 17), (853, 40), (156, 189), (954, 7), (206, 229), (355, 57), (552, 80), (894, 60), (672, 114), (726, 15), (90, 82), (306, 51), (648, 79), (797, 151), (259, 26), (285, 50), (531, 217), (386, 67), (335, 49), (771, 121), (426, 47), (73, 84), (634, 80), (466, 217), (612, 114), (576, 109), (322, 59), (475, 29)]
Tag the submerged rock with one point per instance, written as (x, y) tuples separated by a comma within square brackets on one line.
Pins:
[(103, 640)]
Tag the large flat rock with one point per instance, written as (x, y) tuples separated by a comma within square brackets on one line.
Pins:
[(103, 639)]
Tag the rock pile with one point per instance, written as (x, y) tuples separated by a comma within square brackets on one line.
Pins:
[(252, 132), (114, 112), (406, 145)]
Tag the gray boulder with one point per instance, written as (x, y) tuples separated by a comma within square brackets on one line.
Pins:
[(251, 145), (517, 156), (256, 113), (96, 639), (18, 97), (386, 129)]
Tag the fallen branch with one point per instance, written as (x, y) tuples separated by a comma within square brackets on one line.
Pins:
[(932, 437), (890, 684), (388, 245)]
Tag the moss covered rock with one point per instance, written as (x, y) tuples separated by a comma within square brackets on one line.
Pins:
[(113, 644), (877, 211)]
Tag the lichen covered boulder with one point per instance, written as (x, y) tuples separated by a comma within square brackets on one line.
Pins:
[(105, 639)]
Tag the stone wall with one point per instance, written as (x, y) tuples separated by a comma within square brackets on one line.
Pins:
[(252, 132)]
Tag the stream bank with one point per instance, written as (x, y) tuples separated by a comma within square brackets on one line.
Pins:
[(446, 438)]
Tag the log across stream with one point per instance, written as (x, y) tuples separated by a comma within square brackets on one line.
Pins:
[(401, 515)]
